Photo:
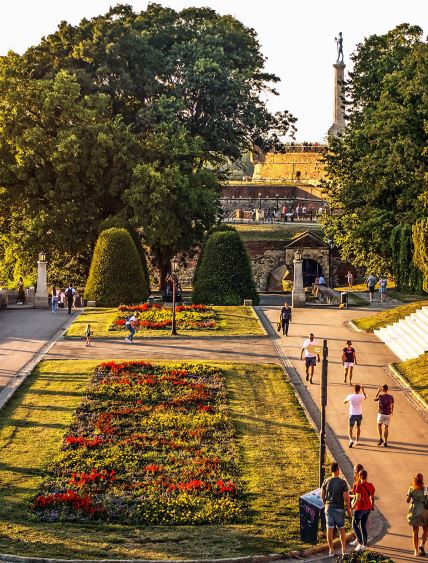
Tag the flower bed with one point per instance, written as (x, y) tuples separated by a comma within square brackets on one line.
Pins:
[(149, 444), (159, 317)]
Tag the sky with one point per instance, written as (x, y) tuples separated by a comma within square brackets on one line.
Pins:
[(297, 37)]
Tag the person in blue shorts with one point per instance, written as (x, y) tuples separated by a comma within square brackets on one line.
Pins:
[(334, 494)]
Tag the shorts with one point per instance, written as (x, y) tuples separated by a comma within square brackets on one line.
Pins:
[(383, 418), (355, 418), (310, 361), (371, 288), (348, 364), (382, 290), (335, 517)]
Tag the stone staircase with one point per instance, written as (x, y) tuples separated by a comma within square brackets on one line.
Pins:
[(408, 337)]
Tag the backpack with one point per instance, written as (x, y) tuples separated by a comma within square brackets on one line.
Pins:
[(127, 319), (69, 292)]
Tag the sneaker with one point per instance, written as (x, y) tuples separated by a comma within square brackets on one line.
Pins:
[(331, 554), (310, 381), (357, 443), (355, 542), (385, 444), (360, 547), (422, 550), (127, 339), (351, 443), (380, 442)]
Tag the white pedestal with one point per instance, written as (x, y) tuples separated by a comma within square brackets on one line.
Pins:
[(41, 300), (298, 293)]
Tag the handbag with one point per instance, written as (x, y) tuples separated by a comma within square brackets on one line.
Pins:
[(278, 326)]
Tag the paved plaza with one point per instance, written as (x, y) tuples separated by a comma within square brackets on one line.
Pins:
[(23, 333)]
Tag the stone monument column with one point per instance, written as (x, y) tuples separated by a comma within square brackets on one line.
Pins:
[(298, 293), (338, 111), (41, 300)]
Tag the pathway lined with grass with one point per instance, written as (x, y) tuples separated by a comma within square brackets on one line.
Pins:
[(271, 429)]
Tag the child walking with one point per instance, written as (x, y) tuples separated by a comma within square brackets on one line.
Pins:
[(88, 334)]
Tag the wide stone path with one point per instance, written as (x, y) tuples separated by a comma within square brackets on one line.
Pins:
[(23, 332), (390, 469)]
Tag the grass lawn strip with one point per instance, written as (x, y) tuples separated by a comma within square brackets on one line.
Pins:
[(230, 321), (388, 317), (415, 371), (272, 432)]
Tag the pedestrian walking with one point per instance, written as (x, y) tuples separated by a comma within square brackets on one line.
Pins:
[(54, 304), (382, 289), (386, 410), (21, 292), (310, 349), (285, 318), (69, 294), (130, 325), (349, 359), (88, 334), (350, 279), (334, 494), (362, 505), (417, 497), (355, 401), (371, 283)]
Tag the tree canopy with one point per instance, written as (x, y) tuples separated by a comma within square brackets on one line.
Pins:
[(126, 112), (376, 169)]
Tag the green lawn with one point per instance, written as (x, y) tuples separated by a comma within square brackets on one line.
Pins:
[(271, 428), (275, 231), (416, 373), (231, 321), (391, 316)]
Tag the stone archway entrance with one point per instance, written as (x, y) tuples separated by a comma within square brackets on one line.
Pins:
[(311, 270)]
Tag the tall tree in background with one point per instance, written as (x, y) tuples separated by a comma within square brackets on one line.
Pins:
[(376, 168), (135, 87)]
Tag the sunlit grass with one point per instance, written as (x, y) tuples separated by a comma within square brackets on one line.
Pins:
[(388, 317)]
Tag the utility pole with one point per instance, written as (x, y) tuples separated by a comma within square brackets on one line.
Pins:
[(324, 373)]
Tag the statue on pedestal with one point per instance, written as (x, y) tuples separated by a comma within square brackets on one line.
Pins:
[(339, 43)]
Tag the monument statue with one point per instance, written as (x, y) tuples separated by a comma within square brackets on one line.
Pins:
[(339, 43)]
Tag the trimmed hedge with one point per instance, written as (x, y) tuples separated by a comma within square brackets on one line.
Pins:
[(216, 229), (224, 276), (116, 276)]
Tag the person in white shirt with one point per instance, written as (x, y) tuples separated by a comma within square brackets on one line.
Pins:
[(130, 325), (355, 401), (310, 348)]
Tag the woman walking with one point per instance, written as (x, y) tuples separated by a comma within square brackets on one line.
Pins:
[(54, 300), (21, 292), (349, 359), (417, 497), (362, 505)]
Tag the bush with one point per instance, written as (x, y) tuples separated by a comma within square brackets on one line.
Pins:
[(365, 557), (224, 276), (116, 275), (118, 221), (407, 277), (217, 228), (420, 241)]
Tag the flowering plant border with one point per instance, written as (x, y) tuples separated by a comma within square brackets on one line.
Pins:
[(159, 317), (150, 443)]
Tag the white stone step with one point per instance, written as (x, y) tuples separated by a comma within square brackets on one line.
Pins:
[(393, 342), (409, 329)]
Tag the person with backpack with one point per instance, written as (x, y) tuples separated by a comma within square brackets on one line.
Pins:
[(69, 294), (285, 318), (362, 505), (129, 324)]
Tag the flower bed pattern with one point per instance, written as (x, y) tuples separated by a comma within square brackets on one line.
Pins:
[(149, 444), (188, 317)]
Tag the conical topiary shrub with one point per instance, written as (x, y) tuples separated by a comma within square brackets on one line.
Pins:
[(224, 275), (217, 228), (116, 276)]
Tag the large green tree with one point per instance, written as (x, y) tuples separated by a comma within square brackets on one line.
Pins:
[(376, 168)]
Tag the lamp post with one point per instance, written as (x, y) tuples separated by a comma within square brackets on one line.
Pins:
[(324, 372), (330, 261), (277, 206), (174, 268), (41, 298)]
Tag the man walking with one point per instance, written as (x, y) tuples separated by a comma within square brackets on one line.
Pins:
[(371, 282), (310, 348), (349, 359), (386, 410), (285, 318), (69, 293), (355, 401), (334, 494)]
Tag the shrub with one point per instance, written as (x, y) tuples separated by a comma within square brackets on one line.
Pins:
[(217, 228), (366, 557), (225, 276), (116, 276), (420, 241), (118, 221), (407, 277)]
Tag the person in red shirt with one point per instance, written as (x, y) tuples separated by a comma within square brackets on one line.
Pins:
[(362, 505)]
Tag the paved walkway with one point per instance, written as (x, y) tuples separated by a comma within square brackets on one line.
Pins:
[(23, 332), (389, 469)]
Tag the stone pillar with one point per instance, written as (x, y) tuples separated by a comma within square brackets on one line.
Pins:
[(298, 293), (41, 297), (338, 110)]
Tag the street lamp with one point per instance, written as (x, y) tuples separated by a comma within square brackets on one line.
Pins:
[(174, 268), (42, 256), (277, 207)]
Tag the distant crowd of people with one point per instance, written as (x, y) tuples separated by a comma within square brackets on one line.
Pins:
[(65, 298), (274, 215)]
